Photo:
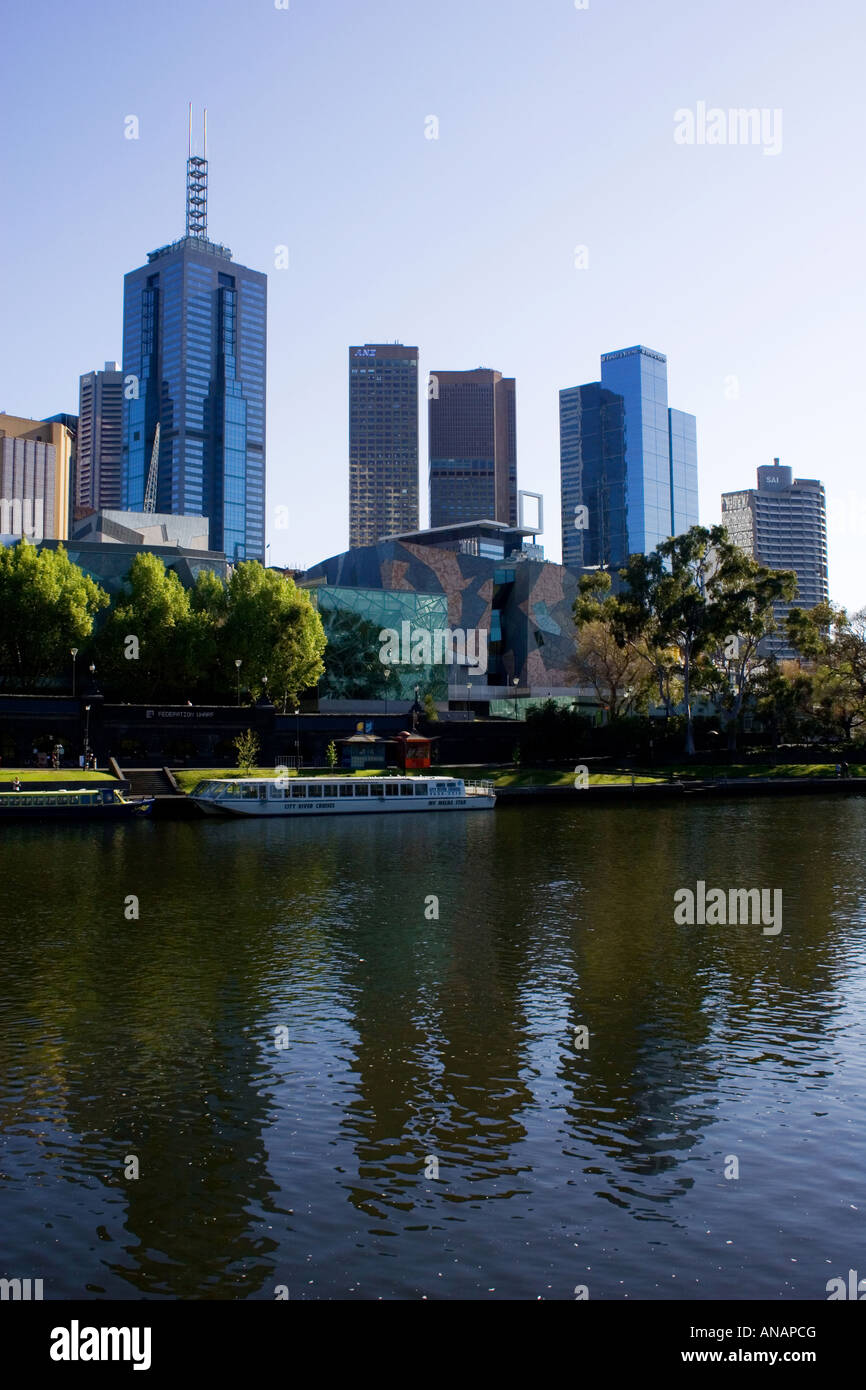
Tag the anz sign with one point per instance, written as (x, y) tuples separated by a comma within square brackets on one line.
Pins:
[(365, 352)]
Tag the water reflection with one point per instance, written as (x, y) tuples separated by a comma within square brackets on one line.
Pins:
[(415, 1038)]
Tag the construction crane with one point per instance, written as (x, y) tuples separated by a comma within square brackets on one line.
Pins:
[(150, 490)]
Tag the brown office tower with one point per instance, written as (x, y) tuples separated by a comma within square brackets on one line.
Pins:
[(383, 441), (473, 447)]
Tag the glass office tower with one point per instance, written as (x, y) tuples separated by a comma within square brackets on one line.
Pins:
[(194, 345), (628, 459), (473, 447), (383, 441)]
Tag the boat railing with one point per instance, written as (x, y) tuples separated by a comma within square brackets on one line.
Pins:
[(479, 788)]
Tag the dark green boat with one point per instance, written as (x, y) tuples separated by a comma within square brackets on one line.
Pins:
[(91, 803)]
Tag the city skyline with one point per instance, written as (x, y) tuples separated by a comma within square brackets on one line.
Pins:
[(740, 276)]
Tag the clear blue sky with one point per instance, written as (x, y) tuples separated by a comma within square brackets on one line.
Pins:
[(556, 129)]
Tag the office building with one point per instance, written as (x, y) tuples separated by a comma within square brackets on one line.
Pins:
[(96, 475), (492, 583), (782, 523), (383, 441), (108, 526), (473, 447), (35, 466), (628, 462), (194, 340)]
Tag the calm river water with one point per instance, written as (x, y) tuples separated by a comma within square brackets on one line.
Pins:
[(287, 1043)]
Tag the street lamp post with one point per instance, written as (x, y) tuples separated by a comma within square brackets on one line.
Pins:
[(265, 687), (468, 698), (415, 712), (238, 669), (87, 734), (515, 681), (73, 652), (387, 678), (298, 736)]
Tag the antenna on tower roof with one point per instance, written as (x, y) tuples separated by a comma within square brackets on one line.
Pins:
[(196, 187)]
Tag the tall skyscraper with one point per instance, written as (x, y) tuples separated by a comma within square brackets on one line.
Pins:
[(96, 476), (628, 463), (782, 523), (473, 447), (194, 338), (383, 441), (35, 464)]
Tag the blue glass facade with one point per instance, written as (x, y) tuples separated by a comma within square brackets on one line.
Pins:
[(194, 337), (628, 459)]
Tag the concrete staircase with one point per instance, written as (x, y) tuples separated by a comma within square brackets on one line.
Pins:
[(149, 781)]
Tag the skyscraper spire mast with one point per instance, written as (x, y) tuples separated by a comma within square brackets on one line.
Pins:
[(196, 186)]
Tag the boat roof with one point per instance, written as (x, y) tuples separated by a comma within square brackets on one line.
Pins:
[(337, 777)]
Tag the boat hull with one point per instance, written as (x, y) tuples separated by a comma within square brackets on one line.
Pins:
[(122, 810), (289, 810)]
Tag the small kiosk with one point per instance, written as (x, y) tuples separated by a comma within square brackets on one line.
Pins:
[(413, 751)]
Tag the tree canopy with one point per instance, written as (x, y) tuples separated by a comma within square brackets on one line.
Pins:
[(47, 606), (679, 605)]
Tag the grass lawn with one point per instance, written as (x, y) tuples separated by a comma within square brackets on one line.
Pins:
[(188, 778), (546, 777), (709, 773), (50, 774)]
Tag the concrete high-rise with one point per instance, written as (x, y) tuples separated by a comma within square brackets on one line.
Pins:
[(35, 463), (383, 441), (782, 523), (628, 462), (473, 447), (96, 476), (194, 340)]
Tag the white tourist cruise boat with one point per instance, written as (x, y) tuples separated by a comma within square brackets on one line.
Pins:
[(325, 796)]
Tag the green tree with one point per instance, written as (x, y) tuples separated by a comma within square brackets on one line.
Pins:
[(152, 643), (752, 590), (273, 628), (331, 754), (596, 604), (47, 605), (834, 646), (782, 693), (620, 676), (247, 747), (686, 596)]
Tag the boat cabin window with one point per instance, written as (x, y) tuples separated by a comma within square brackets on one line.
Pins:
[(299, 790), (420, 788), (377, 789), (331, 792), (314, 791), (362, 789), (405, 788), (346, 789), (391, 789)]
